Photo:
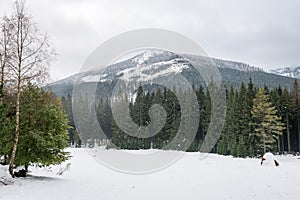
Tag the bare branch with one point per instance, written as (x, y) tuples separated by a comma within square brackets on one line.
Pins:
[(42, 44), (30, 57)]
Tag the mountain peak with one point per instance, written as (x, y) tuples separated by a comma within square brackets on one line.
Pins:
[(293, 72), (157, 65)]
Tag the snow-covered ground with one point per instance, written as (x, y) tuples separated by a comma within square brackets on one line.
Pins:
[(215, 177)]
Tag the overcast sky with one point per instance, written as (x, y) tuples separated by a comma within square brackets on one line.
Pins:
[(264, 33)]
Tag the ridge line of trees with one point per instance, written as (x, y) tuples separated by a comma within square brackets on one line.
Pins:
[(257, 120)]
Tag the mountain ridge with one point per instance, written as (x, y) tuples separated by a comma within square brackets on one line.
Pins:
[(293, 72), (159, 64)]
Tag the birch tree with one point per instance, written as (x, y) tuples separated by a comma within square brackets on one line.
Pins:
[(5, 51), (30, 59)]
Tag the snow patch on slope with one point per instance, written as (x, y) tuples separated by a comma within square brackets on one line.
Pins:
[(94, 78), (144, 72), (145, 56), (293, 72)]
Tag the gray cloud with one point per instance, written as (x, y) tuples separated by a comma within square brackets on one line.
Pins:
[(263, 33)]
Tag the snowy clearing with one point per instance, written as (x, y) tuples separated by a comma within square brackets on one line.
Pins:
[(215, 177)]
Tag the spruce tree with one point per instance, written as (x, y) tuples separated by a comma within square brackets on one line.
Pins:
[(107, 117), (43, 129), (206, 111), (6, 129), (73, 134), (283, 104), (225, 139), (295, 98), (121, 139), (286, 112), (243, 122), (200, 133), (268, 126), (252, 140), (140, 116), (157, 140)]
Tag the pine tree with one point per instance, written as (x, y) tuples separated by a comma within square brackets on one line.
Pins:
[(283, 104), (229, 138), (83, 119), (140, 116), (200, 133), (121, 139), (252, 140), (107, 114), (243, 122), (187, 136), (206, 111), (295, 98), (73, 134), (268, 126), (286, 110), (157, 140), (223, 141), (172, 107)]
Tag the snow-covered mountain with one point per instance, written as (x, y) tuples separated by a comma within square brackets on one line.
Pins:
[(293, 72), (146, 66), (151, 64), (158, 64)]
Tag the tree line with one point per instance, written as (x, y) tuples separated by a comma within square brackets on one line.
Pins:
[(257, 119)]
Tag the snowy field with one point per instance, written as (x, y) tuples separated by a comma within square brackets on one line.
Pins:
[(215, 177)]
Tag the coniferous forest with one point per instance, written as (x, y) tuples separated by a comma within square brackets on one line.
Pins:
[(257, 120)]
